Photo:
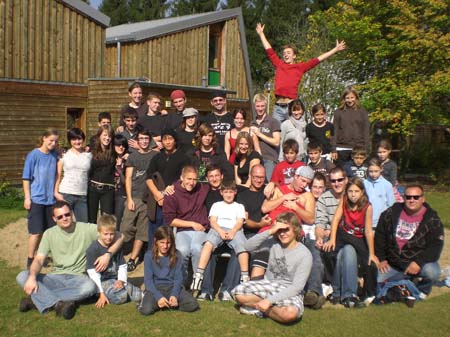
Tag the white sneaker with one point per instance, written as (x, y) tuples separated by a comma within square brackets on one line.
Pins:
[(245, 278), (225, 296), (327, 290), (251, 311), (197, 281), (368, 301)]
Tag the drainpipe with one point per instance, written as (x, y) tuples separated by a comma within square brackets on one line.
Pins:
[(118, 59)]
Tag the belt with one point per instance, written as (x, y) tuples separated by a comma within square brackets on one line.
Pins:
[(101, 186)]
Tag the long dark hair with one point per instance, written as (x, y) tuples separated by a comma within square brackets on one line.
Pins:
[(165, 233), (361, 203), (98, 152)]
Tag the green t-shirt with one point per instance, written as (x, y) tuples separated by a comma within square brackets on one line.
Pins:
[(68, 250)]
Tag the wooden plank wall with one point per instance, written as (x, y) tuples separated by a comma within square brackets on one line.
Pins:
[(47, 41), (176, 59), (26, 111)]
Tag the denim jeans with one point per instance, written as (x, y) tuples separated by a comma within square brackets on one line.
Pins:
[(317, 271), (345, 277), (189, 243), (53, 288), (122, 295), (280, 113), (232, 274), (269, 165), (79, 206), (153, 225), (429, 273)]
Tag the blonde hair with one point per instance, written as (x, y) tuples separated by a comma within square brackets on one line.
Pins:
[(105, 222), (47, 133), (259, 98)]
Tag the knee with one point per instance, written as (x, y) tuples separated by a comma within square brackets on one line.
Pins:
[(290, 314), (348, 253), (22, 277), (88, 288), (431, 271), (146, 309), (189, 305), (117, 296)]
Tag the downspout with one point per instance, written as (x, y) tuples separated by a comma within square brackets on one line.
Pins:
[(118, 59)]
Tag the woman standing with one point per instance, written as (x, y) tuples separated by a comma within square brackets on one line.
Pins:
[(101, 175), (246, 158), (75, 164), (294, 128), (121, 152)]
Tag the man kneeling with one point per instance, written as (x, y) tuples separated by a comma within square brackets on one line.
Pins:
[(67, 243), (279, 295)]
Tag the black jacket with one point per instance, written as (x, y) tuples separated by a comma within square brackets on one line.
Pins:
[(424, 247)]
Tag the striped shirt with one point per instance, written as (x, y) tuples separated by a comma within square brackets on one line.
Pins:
[(325, 209)]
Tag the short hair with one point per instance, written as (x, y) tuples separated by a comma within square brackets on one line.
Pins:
[(144, 132), (188, 169), (259, 98), (130, 113), (152, 95), (291, 219), (385, 144), (120, 139), (296, 104), (290, 46), (290, 144), (414, 185), (134, 85), (228, 185), (359, 151), (318, 176), (75, 133), (212, 167), (106, 221), (318, 107), (338, 169), (314, 146), (60, 204), (374, 162), (104, 115)]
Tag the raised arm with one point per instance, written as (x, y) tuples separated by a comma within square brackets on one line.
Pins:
[(339, 46), (262, 36)]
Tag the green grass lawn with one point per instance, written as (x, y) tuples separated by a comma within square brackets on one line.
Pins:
[(440, 201)]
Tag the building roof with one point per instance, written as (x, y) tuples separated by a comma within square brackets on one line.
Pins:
[(88, 11), (133, 32)]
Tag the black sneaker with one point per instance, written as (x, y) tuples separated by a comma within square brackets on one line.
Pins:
[(352, 302), (334, 300), (131, 265), (26, 304), (65, 309)]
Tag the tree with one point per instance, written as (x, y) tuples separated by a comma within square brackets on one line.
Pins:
[(186, 7), (117, 10)]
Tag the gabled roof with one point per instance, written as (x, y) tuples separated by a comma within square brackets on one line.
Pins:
[(150, 29), (88, 11)]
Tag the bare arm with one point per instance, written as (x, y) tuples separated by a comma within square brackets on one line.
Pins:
[(262, 36), (26, 194), (339, 46), (253, 162), (128, 176), (274, 140), (368, 231), (155, 192), (256, 143), (59, 169), (187, 224), (31, 285), (227, 147)]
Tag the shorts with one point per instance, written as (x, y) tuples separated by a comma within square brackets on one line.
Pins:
[(237, 244), (260, 259), (134, 224), (40, 218), (265, 288)]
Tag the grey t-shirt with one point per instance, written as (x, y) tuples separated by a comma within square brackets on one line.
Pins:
[(268, 126), (291, 265), (140, 163)]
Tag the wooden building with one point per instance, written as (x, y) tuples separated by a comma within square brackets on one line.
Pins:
[(48, 50), (198, 53)]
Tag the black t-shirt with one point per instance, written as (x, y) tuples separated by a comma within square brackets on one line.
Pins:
[(168, 166), (220, 124), (212, 197), (96, 250), (252, 202), (243, 171), (321, 135), (174, 119), (102, 171), (154, 124), (184, 140)]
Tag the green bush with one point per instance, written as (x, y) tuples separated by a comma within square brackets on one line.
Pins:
[(10, 197)]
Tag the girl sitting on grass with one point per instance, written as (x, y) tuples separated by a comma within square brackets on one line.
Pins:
[(163, 276), (351, 223)]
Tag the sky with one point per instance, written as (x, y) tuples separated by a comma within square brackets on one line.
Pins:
[(95, 3)]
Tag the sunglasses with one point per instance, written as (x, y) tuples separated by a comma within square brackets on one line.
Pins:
[(65, 215), (415, 197), (339, 180)]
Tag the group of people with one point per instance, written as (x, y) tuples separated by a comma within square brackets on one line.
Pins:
[(302, 212)]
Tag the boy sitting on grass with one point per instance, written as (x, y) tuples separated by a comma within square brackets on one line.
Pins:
[(112, 282), (226, 218), (284, 172)]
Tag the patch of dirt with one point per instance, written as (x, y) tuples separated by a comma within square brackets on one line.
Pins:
[(15, 239)]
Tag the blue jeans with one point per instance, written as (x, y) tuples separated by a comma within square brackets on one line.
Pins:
[(119, 296), (345, 276), (79, 206), (153, 225), (429, 273), (53, 288), (232, 274), (269, 165), (280, 113), (189, 243), (317, 270)]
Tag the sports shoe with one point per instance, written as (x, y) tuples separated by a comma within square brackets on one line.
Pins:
[(205, 297), (352, 302), (334, 300), (251, 311), (327, 289), (310, 298), (319, 304), (225, 296), (26, 304), (197, 281), (131, 265), (65, 309), (368, 300), (245, 278)]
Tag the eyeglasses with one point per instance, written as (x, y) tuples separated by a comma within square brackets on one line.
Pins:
[(415, 197), (338, 180), (218, 100), (65, 215), (119, 145)]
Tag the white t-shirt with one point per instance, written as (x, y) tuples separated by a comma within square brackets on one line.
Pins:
[(75, 172), (227, 214)]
